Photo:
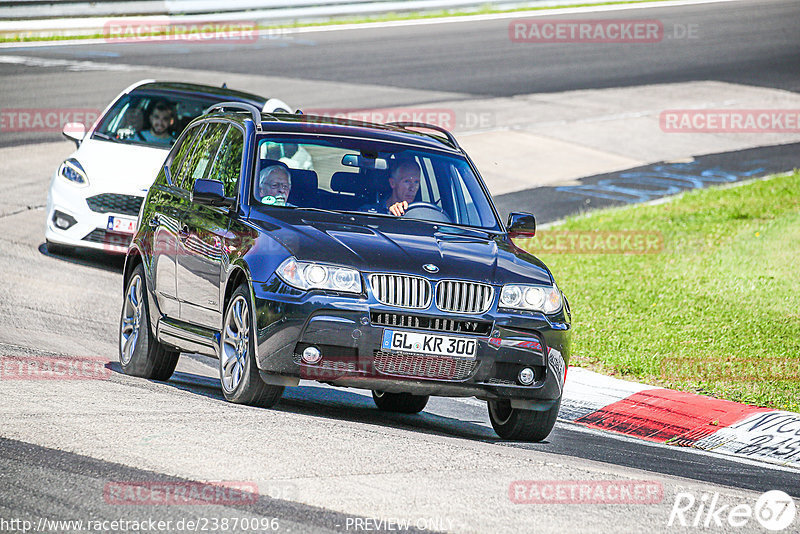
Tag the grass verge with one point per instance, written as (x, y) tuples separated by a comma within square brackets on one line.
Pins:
[(716, 311)]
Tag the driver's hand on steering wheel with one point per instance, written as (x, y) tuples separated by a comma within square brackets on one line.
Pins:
[(398, 208)]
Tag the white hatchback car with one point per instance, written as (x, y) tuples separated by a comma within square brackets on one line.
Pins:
[(95, 194)]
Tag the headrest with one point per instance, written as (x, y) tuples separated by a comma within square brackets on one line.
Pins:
[(378, 181), (348, 182), (302, 179), (270, 163)]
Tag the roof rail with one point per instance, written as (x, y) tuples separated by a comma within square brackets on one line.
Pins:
[(450, 136), (255, 113)]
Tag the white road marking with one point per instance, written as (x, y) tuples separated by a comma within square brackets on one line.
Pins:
[(67, 64)]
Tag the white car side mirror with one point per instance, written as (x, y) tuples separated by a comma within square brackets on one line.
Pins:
[(74, 131), (275, 105)]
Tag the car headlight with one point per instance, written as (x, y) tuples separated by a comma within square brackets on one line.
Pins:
[(310, 275), (73, 172), (545, 299)]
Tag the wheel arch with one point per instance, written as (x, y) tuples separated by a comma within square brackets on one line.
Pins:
[(132, 259), (239, 274)]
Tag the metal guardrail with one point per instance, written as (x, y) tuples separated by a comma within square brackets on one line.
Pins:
[(280, 9), (33, 9), (36, 9)]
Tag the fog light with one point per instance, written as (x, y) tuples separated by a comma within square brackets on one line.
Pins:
[(526, 376), (62, 220), (311, 355)]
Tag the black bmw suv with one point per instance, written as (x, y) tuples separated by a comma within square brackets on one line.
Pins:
[(274, 243)]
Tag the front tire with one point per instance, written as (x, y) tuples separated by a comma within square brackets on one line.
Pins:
[(140, 353), (399, 402), (522, 425), (238, 372)]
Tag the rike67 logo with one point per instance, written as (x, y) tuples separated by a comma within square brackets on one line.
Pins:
[(774, 511)]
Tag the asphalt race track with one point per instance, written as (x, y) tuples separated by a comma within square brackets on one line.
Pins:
[(742, 42), (325, 459)]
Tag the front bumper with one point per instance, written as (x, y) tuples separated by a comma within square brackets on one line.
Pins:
[(349, 333), (89, 228)]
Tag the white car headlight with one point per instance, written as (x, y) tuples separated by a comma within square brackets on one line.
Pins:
[(310, 275), (546, 299), (72, 171)]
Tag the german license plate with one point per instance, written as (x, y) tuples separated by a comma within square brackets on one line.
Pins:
[(435, 344), (121, 225)]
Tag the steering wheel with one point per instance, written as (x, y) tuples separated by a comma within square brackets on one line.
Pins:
[(435, 213)]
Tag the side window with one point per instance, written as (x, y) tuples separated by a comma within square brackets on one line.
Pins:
[(198, 161), (184, 148), (228, 163)]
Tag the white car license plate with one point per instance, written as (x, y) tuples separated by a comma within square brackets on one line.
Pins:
[(122, 225), (460, 347)]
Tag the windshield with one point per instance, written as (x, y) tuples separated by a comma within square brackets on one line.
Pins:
[(356, 175), (142, 118)]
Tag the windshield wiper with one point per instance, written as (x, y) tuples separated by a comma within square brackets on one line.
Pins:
[(444, 228), (339, 212), (465, 231), (323, 210), (105, 137)]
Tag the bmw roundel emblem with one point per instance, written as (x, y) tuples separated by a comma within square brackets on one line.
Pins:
[(431, 268)]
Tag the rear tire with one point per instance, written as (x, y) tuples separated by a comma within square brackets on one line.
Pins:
[(399, 402), (522, 425), (140, 353), (238, 372)]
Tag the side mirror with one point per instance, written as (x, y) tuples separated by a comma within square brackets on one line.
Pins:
[(274, 105), (209, 193), (521, 225), (74, 131)]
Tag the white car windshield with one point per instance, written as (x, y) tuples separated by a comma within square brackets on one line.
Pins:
[(151, 119)]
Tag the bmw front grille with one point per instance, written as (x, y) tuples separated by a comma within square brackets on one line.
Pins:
[(463, 297), (401, 290)]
